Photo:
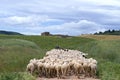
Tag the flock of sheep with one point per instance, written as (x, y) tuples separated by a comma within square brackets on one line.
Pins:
[(63, 62)]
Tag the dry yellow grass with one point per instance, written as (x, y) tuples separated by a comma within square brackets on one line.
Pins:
[(102, 37)]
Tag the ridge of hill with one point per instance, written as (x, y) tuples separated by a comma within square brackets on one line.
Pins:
[(9, 33)]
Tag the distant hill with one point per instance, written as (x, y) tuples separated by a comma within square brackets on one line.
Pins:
[(9, 33), (109, 32)]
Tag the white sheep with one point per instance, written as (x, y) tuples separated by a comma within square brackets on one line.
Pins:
[(78, 69), (40, 67), (93, 68), (65, 68), (52, 70), (61, 63), (58, 70), (86, 67), (30, 68)]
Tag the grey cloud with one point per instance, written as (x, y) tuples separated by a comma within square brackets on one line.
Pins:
[(81, 16)]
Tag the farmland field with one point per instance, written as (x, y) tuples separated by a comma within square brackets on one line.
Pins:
[(16, 51)]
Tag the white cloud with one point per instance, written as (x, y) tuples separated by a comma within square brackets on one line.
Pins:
[(18, 20), (24, 19), (73, 28), (64, 16)]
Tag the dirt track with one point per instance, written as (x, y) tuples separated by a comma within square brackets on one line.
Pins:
[(67, 78)]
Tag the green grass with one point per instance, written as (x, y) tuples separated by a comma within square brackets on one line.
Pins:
[(109, 70), (16, 76), (16, 51), (103, 49)]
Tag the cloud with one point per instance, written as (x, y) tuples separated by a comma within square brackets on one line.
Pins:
[(74, 17), (28, 19), (23, 19), (73, 28)]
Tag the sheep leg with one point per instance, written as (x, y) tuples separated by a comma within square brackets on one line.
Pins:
[(46, 72), (78, 72), (89, 71), (67, 71), (42, 71), (85, 71), (55, 72), (39, 72), (49, 72), (58, 74), (63, 73), (52, 73), (93, 73)]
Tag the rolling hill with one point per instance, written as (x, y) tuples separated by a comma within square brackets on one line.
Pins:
[(9, 33)]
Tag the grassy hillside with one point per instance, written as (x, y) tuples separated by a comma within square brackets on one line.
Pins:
[(106, 51), (15, 54)]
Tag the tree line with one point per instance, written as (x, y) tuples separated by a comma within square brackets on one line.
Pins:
[(109, 32)]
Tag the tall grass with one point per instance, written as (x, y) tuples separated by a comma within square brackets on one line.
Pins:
[(16, 53), (105, 51), (16, 76), (102, 37), (49, 42)]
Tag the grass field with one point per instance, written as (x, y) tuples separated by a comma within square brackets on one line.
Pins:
[(102, 37), (16, 51)]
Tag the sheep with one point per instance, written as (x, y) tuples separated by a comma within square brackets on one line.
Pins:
[(78, 68), (86, 68), (65, 68), (58, 70), (93, 61), (30, 68), (63, 62), (52, 70), (33, 60), (93, 68), (46, 69), (84, 55), (40, 68)]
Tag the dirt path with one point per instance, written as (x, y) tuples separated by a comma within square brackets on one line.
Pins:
[(68, 78)]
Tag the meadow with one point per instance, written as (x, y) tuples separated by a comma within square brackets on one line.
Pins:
[(16, 51)]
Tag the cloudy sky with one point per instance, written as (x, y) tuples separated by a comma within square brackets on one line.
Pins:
[(73, 17)]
